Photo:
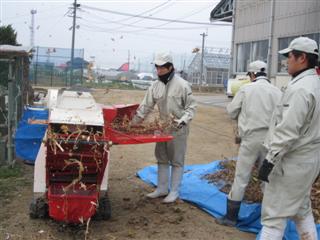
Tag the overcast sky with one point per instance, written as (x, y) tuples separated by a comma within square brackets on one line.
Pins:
[(107, 37)]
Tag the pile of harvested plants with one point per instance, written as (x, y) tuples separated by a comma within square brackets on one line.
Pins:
[(253, 193), (152, 126)]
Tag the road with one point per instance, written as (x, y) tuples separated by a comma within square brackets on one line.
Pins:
[(220, 100)]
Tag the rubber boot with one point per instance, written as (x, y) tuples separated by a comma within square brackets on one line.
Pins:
[(176, 177), (163, 177), (230, 219)]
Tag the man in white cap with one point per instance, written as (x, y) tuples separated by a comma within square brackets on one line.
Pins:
[(173, 96), (252, 106), (292, 163)]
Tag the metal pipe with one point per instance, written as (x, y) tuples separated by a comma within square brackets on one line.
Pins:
[(271, 26), (202, 56), (231, 66), (18, 86), (36, 67), (10, 112)]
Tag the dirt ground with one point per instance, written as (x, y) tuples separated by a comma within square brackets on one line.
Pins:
[(134, 216)]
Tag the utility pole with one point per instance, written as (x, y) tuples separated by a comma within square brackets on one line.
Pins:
[(75, 5), (33, 12), (202, 55)]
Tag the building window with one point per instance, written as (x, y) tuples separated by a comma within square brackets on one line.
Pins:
[(251, 51), (284, 43), (219, 78), (243, 56), (209, 77)]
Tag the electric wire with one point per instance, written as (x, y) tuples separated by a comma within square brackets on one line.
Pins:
[(158, 19), (142, 19), (156, 27), (177, 19), (91, 29), (168, 4), (139, 27), (144, 12), (52, 27)]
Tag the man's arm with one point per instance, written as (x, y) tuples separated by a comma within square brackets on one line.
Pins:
[(189, 107), (234, 108), (295, 111)]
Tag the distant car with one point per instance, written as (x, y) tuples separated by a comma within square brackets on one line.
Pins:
[(234, 85), (144, 81)]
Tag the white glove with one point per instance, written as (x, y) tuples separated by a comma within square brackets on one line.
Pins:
[(179, 123)]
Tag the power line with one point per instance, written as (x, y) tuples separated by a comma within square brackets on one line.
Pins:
[(53, 26), (144, 12), (180, 18), (150, 10), (158, 19), (134, 26), (100, 29)]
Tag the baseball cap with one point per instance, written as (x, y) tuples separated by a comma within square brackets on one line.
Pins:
[(303, 44), (257, 66), (162, 58)]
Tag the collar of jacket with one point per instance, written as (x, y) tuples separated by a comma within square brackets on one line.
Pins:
[(262, 78), (308, 72), (167, 77)]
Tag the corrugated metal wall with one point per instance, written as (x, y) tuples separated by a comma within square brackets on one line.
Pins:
[(292, 18), (252, 20)]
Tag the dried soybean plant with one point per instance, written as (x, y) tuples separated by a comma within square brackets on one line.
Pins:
[(70, 136), (153, 124), (253, 193), (76, 142), (315, 200), (225, 176)]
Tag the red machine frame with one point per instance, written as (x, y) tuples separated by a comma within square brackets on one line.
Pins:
[(76, 165)]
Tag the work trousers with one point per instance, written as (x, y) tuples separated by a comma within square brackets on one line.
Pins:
[(287, 195), (173, 152), (251, 151)]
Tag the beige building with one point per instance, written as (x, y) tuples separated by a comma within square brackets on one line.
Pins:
[(262, 27)]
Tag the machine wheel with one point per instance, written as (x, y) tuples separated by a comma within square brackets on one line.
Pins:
[(38, 208), (103, 211)]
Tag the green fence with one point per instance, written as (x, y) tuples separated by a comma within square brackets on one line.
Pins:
[(52, 67)]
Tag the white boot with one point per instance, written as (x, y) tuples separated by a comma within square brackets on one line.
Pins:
[(176, 177), (268, 233), (307, 228), (163, 177)]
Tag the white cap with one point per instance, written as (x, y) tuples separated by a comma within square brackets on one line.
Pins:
[(302, 44), (163, 58), (257, 66)]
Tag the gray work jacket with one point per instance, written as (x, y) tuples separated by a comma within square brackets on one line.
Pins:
[(295, 125), (253, 106), (173, 99)]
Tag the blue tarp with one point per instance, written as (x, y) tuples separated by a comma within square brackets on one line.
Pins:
[(207, 196), (29, 136)]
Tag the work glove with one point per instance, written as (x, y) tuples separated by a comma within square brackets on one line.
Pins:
[(179, 123), (265, 170)]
